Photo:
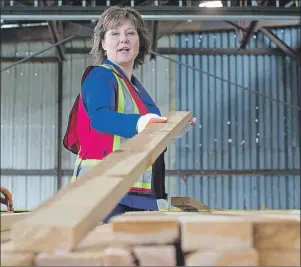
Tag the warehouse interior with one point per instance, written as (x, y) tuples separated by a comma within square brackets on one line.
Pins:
[(234, 64)]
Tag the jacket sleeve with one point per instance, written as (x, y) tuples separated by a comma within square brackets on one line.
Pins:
[(98, 93)]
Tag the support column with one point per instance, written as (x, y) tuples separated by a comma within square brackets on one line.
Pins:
[(59, 124)]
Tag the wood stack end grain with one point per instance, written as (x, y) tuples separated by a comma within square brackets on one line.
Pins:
[(177, 239)]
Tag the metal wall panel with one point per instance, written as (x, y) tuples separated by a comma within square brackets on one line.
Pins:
[(73, 70), (28, 123), (28, 111), (237, 129), (29, 191)]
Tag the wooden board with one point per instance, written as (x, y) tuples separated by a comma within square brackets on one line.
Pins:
[(295, 215), (215, 232), (155, 255), (17, 259), (230, 257), (202, 231), (64, 221), (277, 234), (8, 219), (188, 204), (270, 257), (5, 236), (112, 256), (206, 230), (274, 230), (145, 230), (97, 239), (160, 213)]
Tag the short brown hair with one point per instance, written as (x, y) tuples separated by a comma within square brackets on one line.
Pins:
[(112, 17)]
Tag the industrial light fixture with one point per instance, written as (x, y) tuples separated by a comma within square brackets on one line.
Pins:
[(6, 26), (211, 4)]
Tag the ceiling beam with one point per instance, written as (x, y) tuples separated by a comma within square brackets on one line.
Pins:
[(274, 38), (248, 34), (163, 51), (42, 59), (252, 27), (154, 36), (41, 33), (283, 46), (54, 30), (166, 13)]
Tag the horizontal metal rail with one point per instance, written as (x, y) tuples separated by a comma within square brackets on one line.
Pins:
[(163, 51), (199, 51), (47, 59), (180, 173), (134, 3), (74, 13)]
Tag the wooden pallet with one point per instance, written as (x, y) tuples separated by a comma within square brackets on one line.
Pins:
[(9, 218)]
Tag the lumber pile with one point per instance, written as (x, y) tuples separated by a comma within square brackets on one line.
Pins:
[(178, 239), (66, 232)]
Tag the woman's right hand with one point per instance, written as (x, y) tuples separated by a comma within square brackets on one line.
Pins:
[(148, 119)]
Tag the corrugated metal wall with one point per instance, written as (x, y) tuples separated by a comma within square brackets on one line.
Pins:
[(29, 121), (237, 129)]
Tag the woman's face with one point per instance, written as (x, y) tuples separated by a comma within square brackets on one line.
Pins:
[(122, 43)]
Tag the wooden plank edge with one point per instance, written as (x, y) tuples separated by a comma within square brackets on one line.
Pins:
[(8, 219), (47, 236)]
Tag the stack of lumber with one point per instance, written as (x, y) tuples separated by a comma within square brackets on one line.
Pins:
[(213, 239), (67, 229), (177, 239)]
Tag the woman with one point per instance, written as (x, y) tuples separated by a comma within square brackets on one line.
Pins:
[(113, 106)]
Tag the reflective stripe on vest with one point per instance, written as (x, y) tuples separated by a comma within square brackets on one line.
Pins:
[(126, 104)]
